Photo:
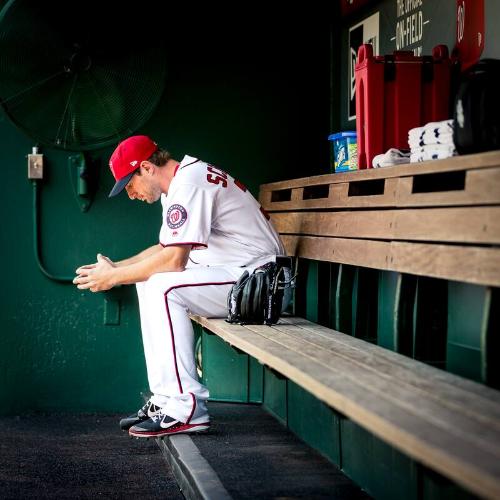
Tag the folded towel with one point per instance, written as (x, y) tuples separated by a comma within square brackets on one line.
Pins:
[(431, 133), (391, 157), (434, 152)]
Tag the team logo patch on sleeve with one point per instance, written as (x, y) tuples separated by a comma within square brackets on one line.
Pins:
[(176, 216)]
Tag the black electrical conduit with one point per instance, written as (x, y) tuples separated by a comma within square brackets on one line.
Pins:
[(36, 246)]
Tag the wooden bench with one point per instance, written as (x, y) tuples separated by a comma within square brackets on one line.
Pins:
[(438, 219)]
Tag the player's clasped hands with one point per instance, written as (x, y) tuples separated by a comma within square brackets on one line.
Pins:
[(95, 277)]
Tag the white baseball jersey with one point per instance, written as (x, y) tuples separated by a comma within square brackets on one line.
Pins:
[(208, 209)]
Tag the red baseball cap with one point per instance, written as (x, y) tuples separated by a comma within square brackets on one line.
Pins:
[(127, 158)]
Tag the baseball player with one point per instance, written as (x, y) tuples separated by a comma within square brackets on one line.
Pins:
[(212, 230)]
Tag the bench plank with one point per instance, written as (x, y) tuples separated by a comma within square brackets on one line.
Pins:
[(477, 265), (465, 162), (467, 392), (458, 225), (481, 187), (468, 461), (483, 406), (441, 183), (393, 391)]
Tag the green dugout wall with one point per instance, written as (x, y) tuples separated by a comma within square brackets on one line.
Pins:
[(251, 96)]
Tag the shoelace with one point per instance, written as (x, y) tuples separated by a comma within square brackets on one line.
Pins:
[(148, 406), (159, 416), (143, 410)]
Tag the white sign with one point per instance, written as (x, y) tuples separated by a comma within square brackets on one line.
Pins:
[(367, 31), (410, 25)]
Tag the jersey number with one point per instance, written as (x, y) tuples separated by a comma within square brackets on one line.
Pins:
[(216, 176)]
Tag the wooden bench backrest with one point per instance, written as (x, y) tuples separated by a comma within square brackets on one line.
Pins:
[(438, 219)]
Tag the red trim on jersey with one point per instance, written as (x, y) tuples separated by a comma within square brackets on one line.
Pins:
[(192, 163), (170, 320), (192, 243), (240, 185), (176, 168)]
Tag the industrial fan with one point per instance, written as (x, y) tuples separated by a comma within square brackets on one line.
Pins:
[(79, 75)]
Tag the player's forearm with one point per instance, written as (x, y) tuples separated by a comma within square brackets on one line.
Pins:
[(156, 262), (140, 256)]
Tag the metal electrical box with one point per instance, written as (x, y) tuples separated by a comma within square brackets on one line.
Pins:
[(35, 165)]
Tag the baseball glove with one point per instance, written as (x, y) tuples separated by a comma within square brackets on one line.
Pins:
[(257, 298)]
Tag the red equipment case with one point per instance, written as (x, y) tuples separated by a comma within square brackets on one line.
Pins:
[(395, 93)]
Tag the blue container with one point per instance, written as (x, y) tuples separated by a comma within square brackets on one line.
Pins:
[(345, 151)]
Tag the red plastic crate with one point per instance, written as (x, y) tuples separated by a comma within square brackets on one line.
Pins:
[(395, 93)]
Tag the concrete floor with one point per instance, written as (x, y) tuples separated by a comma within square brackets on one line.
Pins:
[(88, 456), (255, 456), (79, 456)]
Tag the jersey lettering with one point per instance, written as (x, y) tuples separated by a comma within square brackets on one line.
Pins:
[(206, 194), (216, 176)]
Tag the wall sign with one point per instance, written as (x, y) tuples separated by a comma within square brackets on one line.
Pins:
[(410, 25), (367, 31)]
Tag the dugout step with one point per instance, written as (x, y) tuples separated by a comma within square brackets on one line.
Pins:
[(248, 454)]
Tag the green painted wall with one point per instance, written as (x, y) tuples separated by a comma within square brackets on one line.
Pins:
[(251, 96)]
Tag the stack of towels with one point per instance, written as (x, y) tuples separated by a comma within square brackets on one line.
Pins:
[(433, 141)]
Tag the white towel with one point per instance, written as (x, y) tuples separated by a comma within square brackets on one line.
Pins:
[(391, 157), (433, 152), (431, 133)]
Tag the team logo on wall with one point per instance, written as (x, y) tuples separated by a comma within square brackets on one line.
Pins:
[(176, 216), (470, 32)]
